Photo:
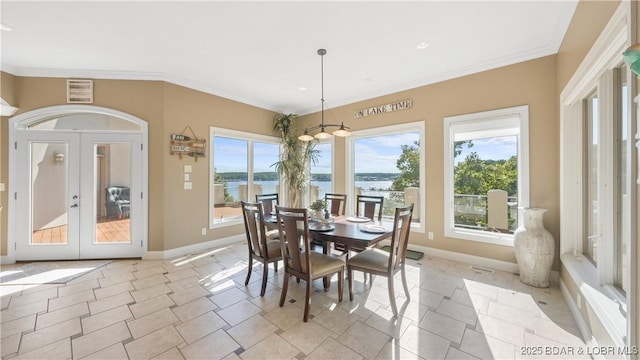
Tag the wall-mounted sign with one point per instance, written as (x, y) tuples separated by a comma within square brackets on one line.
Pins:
[(382, 109), (182, 144)]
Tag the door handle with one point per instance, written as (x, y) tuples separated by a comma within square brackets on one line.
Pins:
[(74, 206)]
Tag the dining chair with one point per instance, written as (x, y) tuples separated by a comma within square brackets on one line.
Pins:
[(337, 203), (269, 201), (299, 260), (262, 247), (369, 206), (380, 262)]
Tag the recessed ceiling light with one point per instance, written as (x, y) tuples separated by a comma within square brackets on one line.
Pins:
[(422, 45), (302, 88), (4, 27)]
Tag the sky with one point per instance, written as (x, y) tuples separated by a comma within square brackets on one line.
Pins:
[(372, 154), (497, 148)]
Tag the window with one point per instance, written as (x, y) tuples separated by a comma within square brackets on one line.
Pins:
[(321, 178), (592, 220), (607, 149), (241, 167), (623, 181), (486, 174), (390, 162), (597, 176)]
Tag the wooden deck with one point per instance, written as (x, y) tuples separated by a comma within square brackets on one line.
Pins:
[(107, 230)]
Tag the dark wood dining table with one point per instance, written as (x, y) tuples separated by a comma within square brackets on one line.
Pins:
[(345, 232), (350, 234)]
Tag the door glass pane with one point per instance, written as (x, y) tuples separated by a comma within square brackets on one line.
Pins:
[(265, 176), (112, 176), (49, 179)]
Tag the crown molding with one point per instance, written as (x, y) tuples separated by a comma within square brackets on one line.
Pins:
[(206, 88)]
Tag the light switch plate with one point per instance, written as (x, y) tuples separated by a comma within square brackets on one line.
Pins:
[(1, 186), (187, 168), (186, 177), (187, 185)]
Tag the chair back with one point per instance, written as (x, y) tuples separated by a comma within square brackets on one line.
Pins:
[(294, 221), (254, 226), (400, 236), (368, 204), (269, 201), (337, 203)]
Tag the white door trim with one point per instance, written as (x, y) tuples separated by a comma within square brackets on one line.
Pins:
[(22, 122)]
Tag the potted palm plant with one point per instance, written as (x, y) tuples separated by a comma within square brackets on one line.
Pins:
[(295, 158)]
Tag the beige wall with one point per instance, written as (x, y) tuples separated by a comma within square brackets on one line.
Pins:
[(187, 211), (175, 215), (530, 83), (587, 23)]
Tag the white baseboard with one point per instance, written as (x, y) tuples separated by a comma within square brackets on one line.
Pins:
[(7, 260), (190, 249), (466, 258), (554, 276)]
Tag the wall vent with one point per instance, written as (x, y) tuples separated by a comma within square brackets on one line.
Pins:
[(79, 91), (480, 268)]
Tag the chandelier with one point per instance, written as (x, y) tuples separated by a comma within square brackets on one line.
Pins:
[(341, 131)]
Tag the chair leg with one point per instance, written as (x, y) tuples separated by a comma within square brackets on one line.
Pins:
[(250, 269), (392, 296), (350, 275), (340, 284), (307, 303), (265, 274), (285, 286), (404, 281), (275, 266)]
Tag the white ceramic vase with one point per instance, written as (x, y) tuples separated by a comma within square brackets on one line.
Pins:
[(534, 247)]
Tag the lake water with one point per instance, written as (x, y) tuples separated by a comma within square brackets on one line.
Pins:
[(269, 187)]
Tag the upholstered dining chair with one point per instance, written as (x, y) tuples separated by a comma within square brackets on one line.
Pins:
[(370, 206), (262, 247), (337, 203), (298, 258), (379, 262), (269, 201)]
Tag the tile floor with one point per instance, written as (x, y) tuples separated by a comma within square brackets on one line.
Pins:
[(197, 307)]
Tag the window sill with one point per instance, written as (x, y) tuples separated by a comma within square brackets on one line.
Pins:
[(481, 236), (225, 223), (603, 300)]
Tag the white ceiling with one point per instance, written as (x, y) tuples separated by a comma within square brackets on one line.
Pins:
[(260, 53)]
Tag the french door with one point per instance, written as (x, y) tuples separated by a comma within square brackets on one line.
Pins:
[(62, 195)]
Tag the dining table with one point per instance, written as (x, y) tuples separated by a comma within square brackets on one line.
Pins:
[(350, 231)]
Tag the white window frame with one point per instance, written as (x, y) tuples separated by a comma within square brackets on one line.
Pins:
[(381, 131), (596, 284), (494, 123), (239, 135)]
